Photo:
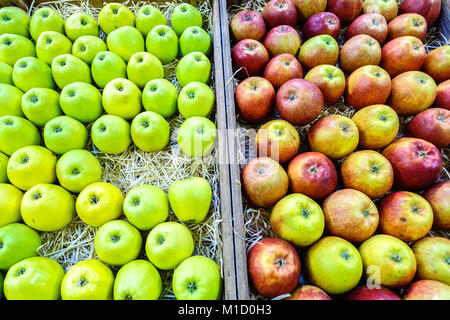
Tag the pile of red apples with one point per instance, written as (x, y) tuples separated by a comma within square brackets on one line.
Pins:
[(351, 206)]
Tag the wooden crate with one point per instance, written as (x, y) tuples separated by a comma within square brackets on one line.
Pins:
[(239, 151), (224, 193)]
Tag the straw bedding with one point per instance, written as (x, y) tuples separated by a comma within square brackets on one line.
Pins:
[(135, 167), (257, 225)]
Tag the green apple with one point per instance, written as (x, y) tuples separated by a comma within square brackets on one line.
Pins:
[(168, 244), (432, 256), (390, 259), (40, 105), (76, 169), (10, 200), (10, 101), (14, 20), (144, 67), (195, 39), (67, 69), (80, 24), (3, 167), (125, 41), (87, 47), (14, 47), (17, 132), (160, 96), (18, 242), (88, 280), (34, 278), (184, 16), (334, 265), (298, 219), (31, 165), (117, 242), (47, 207), (111, 134), (197, 278), (45, 19), (115, 15), (190, 199), (99, 203), (196, 99), (64, 133), (122, 98), (106, 67), (30, 72), (6, 73), (150, 132), (196, 136), (81, 101), (137, 280), (194, 66), (162, 42), (51, 44), (146, 206), (148, 17)]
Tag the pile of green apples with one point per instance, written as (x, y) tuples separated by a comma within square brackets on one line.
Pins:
[(60, 79)]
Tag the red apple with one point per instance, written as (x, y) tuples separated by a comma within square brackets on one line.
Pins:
[(309, 292), (330, 80), (299, 101), (366, 293), (283, 68), (274, 267), (312, 174), (251, 55), (277, 12), (405, 215), (437, 64), (321, 23), (408, 24), (427, 290), (346, 10), (336, 136), (277, 139), (387, 8), (367, 85), (430, 9), (264, 181), (248, 24), (307, 8), (255, 98), (321, 49), (439, 198), (369, 172), (372, 24), (443, 95), (282, 39), (417, 163), (432, 125), (412, 92), (350, 214), (360, 50), (402, 54)]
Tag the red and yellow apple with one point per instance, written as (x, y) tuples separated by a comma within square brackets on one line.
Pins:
[(369, 172), (387, 8), (430, 9), (264, 182), (360, 50), (321, 49), (312, 174), (277, 139), (255, 98), (432, 256), (282, 39), (378, 126), (439, 198), (330, 80), (335, 136), (417, 163), (346, 10), (251, 56), (278, 12), (321, 23), (309, 292), (283, 68), (248, 24), (432, 125), (367, 293), (405, 215), (437, 64), (408, 24), (372, 24), (443, 95), (427, 290), (274, 267)]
